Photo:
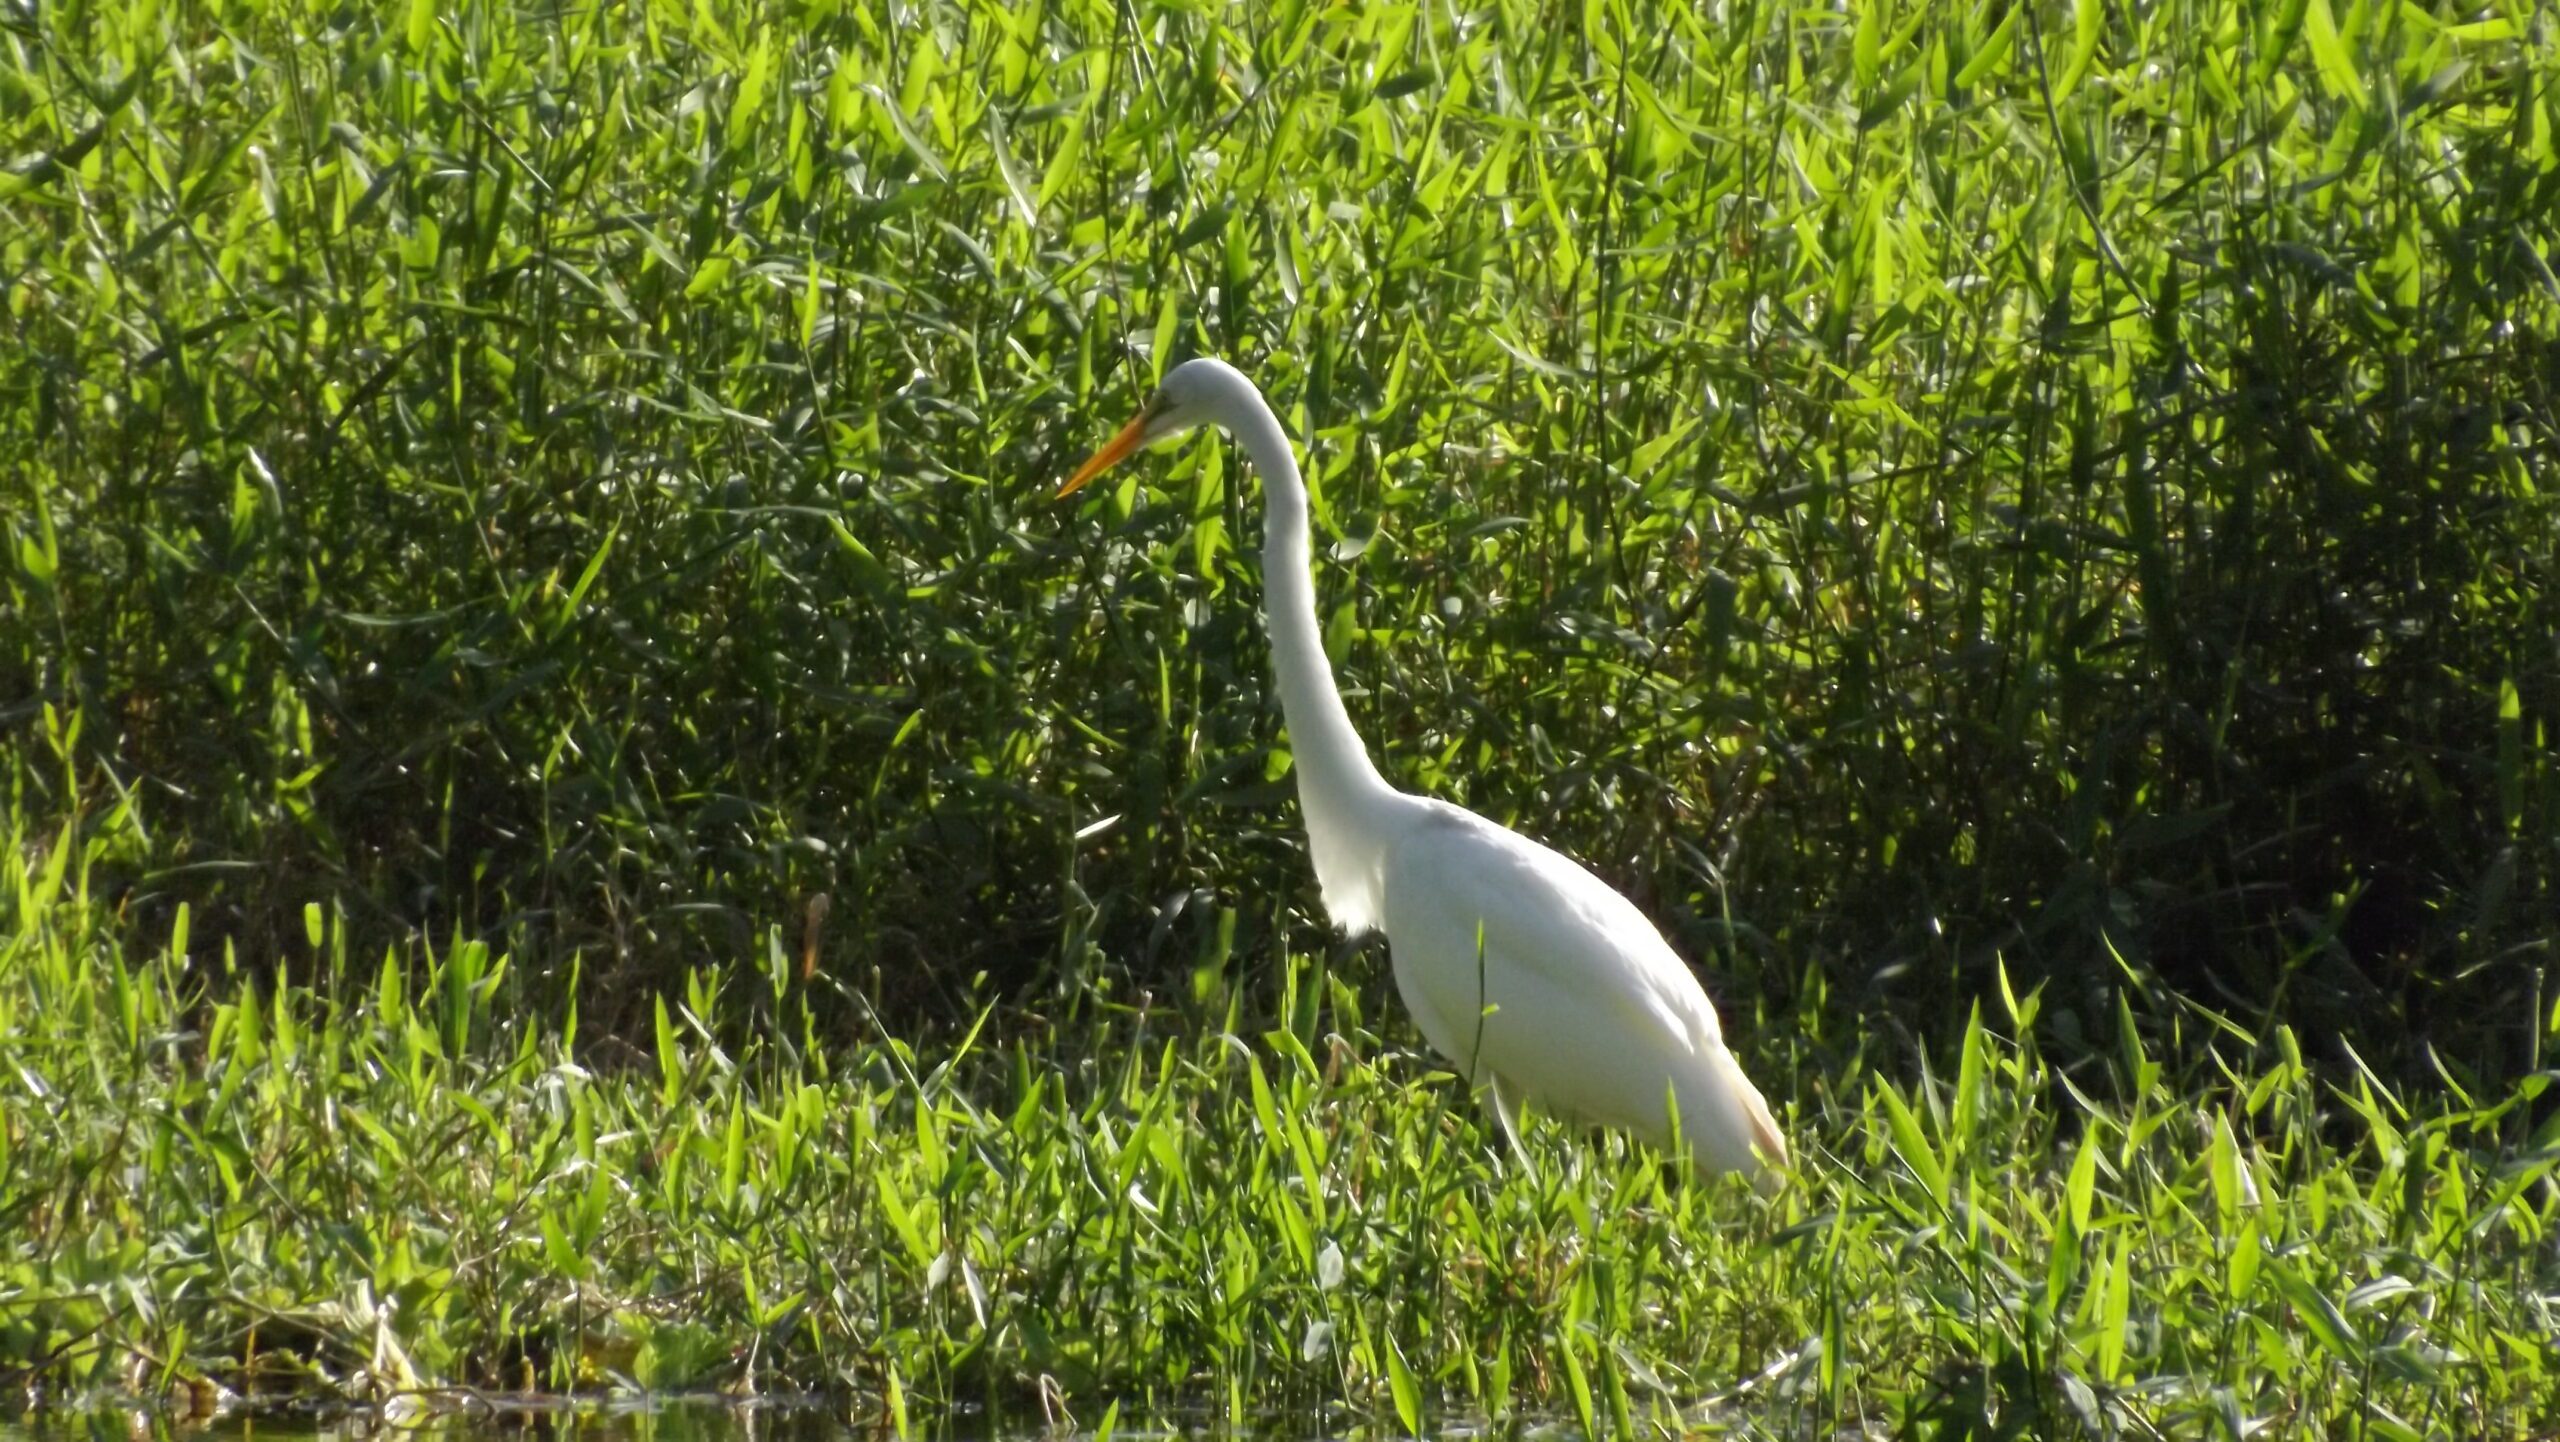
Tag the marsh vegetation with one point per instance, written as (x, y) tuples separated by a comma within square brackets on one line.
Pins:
[(577, 818)]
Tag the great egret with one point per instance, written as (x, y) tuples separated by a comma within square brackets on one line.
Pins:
[(1525, 970)]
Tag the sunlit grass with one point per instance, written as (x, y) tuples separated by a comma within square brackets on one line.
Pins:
[(390, 1181), (1893, 484), (577, 816)]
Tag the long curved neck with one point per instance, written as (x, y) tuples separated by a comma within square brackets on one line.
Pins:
[(1334, 771)]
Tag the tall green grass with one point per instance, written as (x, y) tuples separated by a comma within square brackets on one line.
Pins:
[(1894, 486), (393, 1186)]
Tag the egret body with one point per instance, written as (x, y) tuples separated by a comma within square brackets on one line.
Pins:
[(1530, 974)]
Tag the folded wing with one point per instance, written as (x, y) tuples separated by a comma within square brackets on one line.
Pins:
[(1521, 965)]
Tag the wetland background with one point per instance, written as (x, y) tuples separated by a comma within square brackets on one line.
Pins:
[(575, 813)]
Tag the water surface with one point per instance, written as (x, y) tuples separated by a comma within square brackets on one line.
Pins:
[(459, 1417)]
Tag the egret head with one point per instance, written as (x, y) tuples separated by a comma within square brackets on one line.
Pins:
[(1194, 394)]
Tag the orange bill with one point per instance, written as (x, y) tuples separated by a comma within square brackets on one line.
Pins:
[(1132, 436)]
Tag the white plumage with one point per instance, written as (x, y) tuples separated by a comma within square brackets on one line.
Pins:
[(1531, 975)]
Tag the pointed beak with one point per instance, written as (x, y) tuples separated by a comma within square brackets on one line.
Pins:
[(1131, 437)]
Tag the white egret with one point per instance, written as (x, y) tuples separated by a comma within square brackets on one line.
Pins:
[(1530, 974)]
